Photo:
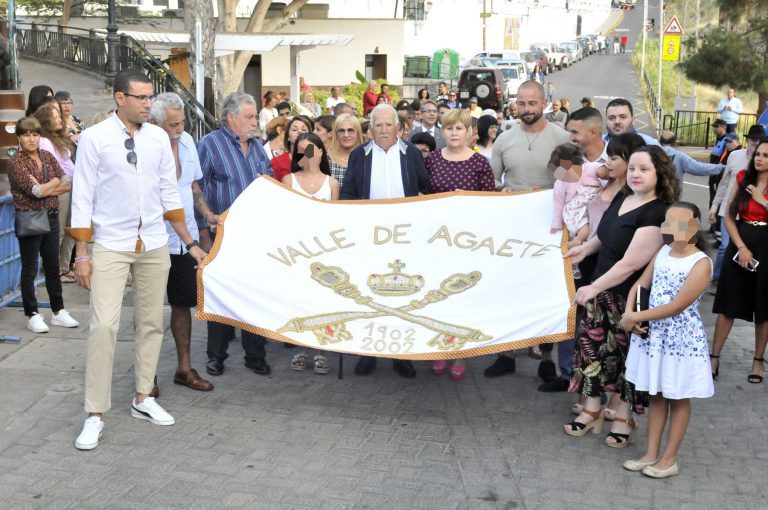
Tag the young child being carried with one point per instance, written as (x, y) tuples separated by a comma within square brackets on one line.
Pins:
[(576, 184), (668, 357)]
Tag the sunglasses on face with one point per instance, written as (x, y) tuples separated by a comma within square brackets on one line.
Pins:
[(130, 145)]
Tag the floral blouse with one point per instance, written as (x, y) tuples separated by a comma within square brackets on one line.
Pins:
[(21, 168)]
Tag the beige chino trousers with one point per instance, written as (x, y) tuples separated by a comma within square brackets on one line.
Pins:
[(110, 271)]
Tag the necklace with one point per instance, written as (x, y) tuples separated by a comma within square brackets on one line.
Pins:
[(531, 142)]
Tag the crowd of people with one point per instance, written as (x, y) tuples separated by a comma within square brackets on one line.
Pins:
[(144, 198)]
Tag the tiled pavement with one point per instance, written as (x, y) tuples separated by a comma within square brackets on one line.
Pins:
[(301, 441)]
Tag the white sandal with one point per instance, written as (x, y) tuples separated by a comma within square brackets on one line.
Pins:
[(299, 361), (321, 365)]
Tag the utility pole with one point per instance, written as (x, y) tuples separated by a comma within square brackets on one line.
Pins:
[(661, 49), (645, 31), (112, 43)]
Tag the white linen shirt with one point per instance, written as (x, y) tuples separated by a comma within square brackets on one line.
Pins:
[(124, 202), (190, 172), (386, 176)]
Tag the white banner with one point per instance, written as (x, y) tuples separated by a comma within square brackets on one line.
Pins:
[(431, 277)]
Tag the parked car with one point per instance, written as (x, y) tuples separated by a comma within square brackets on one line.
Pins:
[(555, 57), (529, 58), (514, 75), (573, 50), (487, 84)]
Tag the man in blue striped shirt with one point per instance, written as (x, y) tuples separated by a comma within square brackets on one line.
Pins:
[(232, 157)]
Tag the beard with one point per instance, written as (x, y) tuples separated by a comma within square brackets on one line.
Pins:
[(531, 118)]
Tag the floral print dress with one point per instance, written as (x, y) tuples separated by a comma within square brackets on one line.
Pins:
[(674, 359)]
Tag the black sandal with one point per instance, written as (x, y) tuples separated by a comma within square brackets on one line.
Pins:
[(717, 370), (755, 378)]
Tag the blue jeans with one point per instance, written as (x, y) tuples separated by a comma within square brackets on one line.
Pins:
[(724, 240)]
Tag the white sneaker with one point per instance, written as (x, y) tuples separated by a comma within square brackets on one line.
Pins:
[(37, 324), (64, 319), (151, 411), (89, 437)]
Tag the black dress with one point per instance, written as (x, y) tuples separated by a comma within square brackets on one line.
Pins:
[(601, 345)]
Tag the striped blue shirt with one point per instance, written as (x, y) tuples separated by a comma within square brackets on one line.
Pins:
[(226, 170)]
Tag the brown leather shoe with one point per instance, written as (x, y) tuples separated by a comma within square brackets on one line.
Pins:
[(192, 380), (155, 391)]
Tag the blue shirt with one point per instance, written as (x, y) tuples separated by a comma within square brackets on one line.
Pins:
[(226, 170), (649, 140)]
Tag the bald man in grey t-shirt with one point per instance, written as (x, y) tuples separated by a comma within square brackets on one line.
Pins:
[(520, 155), (519, 161)]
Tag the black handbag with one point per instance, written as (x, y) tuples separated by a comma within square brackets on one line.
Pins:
[(34, 223)]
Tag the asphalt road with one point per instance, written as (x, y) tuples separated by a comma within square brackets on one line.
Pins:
[(605, 77)]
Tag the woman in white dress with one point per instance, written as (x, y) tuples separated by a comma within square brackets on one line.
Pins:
[(672, 362), (311, 176)]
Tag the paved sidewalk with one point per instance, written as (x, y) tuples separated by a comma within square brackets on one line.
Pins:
[(302, 441)]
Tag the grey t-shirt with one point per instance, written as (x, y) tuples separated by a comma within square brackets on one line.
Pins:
[(519, 159)]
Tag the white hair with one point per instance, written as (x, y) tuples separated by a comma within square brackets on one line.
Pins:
[(163, 102), (384, 107)]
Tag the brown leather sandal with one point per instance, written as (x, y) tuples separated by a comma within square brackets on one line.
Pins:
[(578, 429), (622, 440)]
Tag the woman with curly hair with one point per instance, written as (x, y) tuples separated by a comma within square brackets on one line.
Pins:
[(54, 138), (628, 237), (743, 289)]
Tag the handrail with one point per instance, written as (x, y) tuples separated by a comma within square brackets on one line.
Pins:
[(88, 49)]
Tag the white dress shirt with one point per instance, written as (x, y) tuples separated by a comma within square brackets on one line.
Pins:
[(386, 176), (190, 172), (124, 202)]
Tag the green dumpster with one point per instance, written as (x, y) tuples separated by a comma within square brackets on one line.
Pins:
[(445, 64), (417, 67)]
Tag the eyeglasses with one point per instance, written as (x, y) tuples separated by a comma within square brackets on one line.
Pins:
[(131, 156), (430, 110), (142, 98), (425, 150), (348, 131), (451, 95)]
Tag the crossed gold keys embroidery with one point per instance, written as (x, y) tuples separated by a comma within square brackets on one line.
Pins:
[(331, 327)]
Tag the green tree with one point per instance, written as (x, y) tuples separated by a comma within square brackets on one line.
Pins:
[(736, 52)]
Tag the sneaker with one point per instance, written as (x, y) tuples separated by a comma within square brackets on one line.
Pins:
[(37, 324), (64, 320), (151, 411), (91, 433)]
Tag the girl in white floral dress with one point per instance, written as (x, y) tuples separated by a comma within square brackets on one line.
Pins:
[(672, 362)]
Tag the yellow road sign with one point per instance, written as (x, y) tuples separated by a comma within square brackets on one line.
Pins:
[(671, 50)]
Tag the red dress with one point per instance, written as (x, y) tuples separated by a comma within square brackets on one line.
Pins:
[(281, 166), (369, 101)]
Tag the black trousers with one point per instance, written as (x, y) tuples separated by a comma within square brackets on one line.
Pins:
[(47, 247), (218, 341), (220, 334)]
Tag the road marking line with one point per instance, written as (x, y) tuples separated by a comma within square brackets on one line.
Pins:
[(694, 184)]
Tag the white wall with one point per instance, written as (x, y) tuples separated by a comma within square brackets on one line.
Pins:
[(336, 65)]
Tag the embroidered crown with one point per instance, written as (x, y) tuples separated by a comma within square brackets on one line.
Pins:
[(395, 283)]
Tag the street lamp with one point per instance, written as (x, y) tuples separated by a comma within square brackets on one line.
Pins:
[(112, 41)]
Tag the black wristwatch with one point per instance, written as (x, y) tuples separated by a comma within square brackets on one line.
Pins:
[(193, 243)]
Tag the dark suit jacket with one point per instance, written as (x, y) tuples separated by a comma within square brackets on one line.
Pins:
[(357, 182), (438, 136)]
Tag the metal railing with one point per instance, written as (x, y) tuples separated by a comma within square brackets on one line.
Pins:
[(653, 101), (694, 128), (88, 49)]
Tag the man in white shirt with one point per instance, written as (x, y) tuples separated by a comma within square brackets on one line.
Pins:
[(124, 186), (429, 115), (168, 113), (729, 109), (333, 100), (385, 167)]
